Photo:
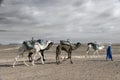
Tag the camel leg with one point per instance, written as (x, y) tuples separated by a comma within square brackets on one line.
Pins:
[(33, 62), (58, 59), (71, 61), (65, 56), (41, 57), (87, 55), (87, 51), (15, 60), (95, 52), (70, 58), (42, 53), (24, 60), (25, 63), (58, 52), (30, 56)]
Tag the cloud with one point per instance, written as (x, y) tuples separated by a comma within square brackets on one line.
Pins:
[(116, 10), (3, 30), (56, 19), (1, 2)]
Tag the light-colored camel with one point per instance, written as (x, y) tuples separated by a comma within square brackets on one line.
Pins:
[(95, 47), (41, 51), (36, 50)]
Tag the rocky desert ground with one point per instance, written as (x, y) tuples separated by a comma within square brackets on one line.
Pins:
[(92, 67)]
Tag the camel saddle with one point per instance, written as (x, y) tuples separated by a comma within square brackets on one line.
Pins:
[(41, 41), (63, 42), (29, 44), (96, 46)]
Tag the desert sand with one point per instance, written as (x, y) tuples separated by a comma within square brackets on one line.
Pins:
[(94, 67)]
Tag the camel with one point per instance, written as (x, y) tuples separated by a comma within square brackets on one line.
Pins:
[(95, 47), (35, 50), (67, 48), (41, 51)]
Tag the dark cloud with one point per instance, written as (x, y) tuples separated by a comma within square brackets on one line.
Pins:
[(1, 1), (3, 30), (55, 19), (2, 18), (78, 3)]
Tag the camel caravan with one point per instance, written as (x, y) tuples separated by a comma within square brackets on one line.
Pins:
[(37, 47)]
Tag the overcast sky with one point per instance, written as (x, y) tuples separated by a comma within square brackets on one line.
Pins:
[(77, 20)]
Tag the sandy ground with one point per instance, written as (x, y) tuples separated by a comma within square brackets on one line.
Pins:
[(83, 68)]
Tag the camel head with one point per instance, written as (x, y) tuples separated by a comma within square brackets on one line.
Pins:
[(78, 44), (50, 43), (75, 46)]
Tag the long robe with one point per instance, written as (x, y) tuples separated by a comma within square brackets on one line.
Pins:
[(109, 52)]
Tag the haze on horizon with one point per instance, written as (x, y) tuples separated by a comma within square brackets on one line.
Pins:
[(77, 20)]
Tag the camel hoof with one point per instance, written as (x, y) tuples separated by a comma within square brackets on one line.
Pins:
[(71, 62), (27, 65), (33, 64), (87, 52), (43, 63), (30, 60), (58, 62), (44, 59)]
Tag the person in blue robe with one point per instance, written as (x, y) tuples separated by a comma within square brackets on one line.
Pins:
[(109, 53)]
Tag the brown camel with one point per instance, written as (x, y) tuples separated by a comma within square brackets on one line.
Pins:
[(67, 48)]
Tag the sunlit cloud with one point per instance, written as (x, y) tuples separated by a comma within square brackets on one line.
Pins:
[(116, 9)]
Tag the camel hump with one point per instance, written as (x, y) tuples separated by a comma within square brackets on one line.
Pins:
[(63, 42)]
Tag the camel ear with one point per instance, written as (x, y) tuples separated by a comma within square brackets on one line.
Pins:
[(78, 43), (51, 43)]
